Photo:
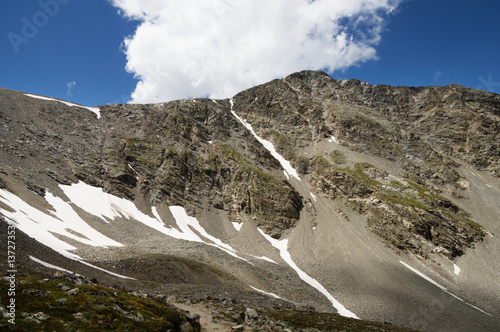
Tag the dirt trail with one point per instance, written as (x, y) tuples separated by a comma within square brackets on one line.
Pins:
[(206, 321)]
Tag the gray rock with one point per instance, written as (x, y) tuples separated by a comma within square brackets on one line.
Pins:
[(35, 292), (191, 317), (80, 316), (251, 314), (32, 319), (3, 312), (40, 316), (186, 327), (73, 292)]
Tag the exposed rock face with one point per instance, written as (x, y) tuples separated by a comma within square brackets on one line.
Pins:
[(196, 154), (426, 132), (388, 176), (192, 153), (186, 153)]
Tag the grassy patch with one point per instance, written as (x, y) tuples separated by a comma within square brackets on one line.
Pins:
[(229, 152), (358, 172), (396, 184), (338, 157), (320, 164), (94, 308)]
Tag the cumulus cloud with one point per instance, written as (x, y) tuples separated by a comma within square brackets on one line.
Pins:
[(216, 48)]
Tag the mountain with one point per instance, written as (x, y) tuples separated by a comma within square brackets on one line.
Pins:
[(377, 203)]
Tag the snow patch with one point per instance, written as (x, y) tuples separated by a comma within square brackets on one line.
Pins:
[(50, 266), (39, 97), (103, 205), (42, 226), (237, 225), (63, 221), (187, 224), (104, 270), (442, 287), (288, 169), (456, 269), (95, 201), (94, 110), (133, 170), (332, 139), (314, 197), (282, 246), (264, 258), (263, 292)]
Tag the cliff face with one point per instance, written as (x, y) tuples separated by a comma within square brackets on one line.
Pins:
[(192, 153), (381, 172), (425, 134)]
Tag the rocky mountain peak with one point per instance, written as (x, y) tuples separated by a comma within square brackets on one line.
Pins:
[(275, 183)]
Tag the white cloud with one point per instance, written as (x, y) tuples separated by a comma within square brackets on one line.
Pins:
[(70, 85), (437, 76), (217, 48)]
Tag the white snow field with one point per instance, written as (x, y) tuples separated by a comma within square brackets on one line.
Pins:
[(98, 203), (42, 226)]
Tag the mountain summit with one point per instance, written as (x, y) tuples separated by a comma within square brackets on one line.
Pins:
[(374, 202)]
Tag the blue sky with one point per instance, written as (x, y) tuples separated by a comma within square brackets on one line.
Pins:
[(421, 42)]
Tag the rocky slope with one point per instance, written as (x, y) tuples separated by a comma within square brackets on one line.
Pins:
[(425, 132), (387, 178)]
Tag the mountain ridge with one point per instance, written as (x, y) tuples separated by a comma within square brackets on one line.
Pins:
[(395, 171)]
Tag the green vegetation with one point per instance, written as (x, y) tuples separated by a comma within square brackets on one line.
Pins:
[(405, 200), (229, 152), (396, 184), (320, 165), (93, 308), (338, 157), (142, 151), (398, 204), (358, 171)]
